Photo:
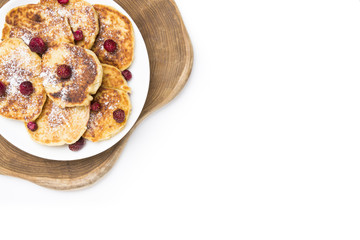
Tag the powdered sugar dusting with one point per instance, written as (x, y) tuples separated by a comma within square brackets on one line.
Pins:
[(75, 90), (39, 21), (26, 37), (81, 16), (57, 117), (16, 66)]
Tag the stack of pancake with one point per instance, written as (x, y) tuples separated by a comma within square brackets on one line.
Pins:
[(75, 88)]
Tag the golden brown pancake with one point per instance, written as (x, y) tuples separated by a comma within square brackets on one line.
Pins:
[(117, 27), (82, 16), (19, 64), (112, 78), (102, 125), (85, 80), (58, 126), (33, 20)]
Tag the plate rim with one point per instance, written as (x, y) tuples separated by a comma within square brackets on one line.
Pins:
[(128, 127)]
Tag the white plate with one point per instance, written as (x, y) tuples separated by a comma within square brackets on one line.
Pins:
[(15, 132)]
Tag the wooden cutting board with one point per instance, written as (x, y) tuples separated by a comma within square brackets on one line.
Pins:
[(171, 59)]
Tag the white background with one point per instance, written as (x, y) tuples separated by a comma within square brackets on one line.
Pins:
[(262, 143)]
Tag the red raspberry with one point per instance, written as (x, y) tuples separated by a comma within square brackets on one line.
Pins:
[(38, 45), (95, 106), (78, 35), (63, 1), (32, 126), (127, 75), (78, 145), (2, 89), (26, 88), (119, 115), (110, 45), (64, 71)]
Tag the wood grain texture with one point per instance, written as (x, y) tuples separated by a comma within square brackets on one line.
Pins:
[(171, 59)]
